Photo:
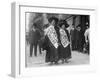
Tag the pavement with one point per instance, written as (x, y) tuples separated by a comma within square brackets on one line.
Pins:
[(78, 58)]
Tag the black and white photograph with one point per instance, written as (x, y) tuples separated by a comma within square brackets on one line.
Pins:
[(54, 39), (50, 40)]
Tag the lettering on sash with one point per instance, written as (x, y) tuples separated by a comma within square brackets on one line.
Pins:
[(52, 35), (64, 38)]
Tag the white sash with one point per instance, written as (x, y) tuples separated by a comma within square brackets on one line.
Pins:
[(64, 38), (52, 35)]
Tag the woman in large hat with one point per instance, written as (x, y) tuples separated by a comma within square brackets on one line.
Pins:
[(64, 50), (51, 41)]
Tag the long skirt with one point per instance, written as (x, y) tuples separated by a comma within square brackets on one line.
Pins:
[(64, 53), (51, 51), (52, 54)]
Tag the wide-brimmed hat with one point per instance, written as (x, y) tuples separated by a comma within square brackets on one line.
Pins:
[(53, 18), (63, 22)]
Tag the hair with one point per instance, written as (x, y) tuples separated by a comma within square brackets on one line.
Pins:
[(53, 18), (63, 22)]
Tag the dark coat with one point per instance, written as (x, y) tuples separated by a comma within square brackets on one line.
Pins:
[(34, 37), (65, 52), (51, 51)]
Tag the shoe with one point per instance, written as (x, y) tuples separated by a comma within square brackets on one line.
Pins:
[(66, 61), (51, 63), (56, 62), (62, 61)]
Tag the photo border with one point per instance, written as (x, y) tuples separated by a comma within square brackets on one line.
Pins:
[(16, 71)]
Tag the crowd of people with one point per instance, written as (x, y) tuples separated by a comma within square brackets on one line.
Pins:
[(56, 40)]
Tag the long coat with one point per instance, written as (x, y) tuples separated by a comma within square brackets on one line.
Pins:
[(34, 37), (65, 52), (51, 51)]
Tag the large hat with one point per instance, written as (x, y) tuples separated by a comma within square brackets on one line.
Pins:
[(53, 18), (63, 22)]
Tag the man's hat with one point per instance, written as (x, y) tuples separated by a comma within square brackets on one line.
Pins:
[(53, 18)]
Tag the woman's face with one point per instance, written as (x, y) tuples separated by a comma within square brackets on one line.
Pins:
[(53, 23), (63, 26)]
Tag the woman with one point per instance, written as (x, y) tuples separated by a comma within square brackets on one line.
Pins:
[(65, 50), (51, 41)]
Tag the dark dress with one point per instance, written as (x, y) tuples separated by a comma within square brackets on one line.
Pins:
[(65, 52), (51, 51), (72, 33), (77, 40)]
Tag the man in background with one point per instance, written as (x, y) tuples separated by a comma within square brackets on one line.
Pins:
[(87, 40), (34, 37)]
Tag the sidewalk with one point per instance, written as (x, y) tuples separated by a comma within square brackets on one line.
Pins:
[(77, 59)]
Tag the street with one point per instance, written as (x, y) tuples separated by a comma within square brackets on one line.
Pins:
[(77, 59)]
